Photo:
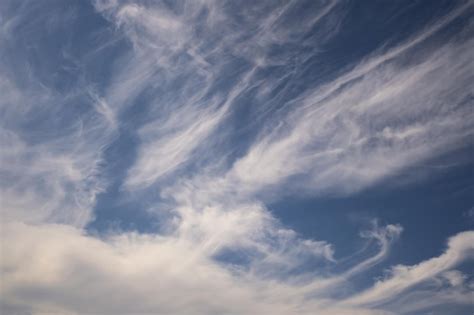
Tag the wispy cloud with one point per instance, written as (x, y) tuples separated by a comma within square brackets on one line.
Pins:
[(227, 117), (52, 139), (403, 278)]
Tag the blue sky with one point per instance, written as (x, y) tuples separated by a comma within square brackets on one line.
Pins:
[(236, 157)]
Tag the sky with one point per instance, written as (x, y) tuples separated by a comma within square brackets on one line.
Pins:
[(213, 157)]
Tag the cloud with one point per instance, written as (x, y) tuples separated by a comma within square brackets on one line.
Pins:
[(50, 176), (402, 278), (384, 120), (226, 119), (167, 53), (54, 137), (57, 268), (390, 112)]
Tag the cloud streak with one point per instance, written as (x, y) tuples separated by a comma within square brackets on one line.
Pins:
[(226, 115)]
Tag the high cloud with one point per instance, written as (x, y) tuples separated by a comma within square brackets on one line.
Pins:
[(201, 97)]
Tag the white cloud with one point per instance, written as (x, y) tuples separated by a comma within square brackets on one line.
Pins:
[(56, 268), (52, 142), (55, 178), (222, 252), (167, 51), (391, 117), (460, 248)]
